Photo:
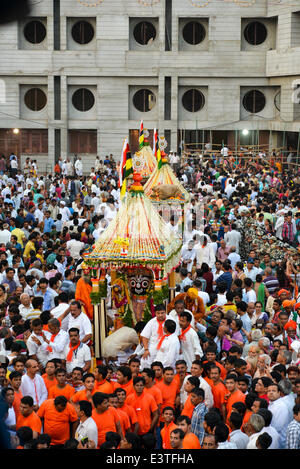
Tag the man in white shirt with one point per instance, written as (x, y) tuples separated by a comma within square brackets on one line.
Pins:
[(224, 151), (64, 211), (25, 307), (197, 370), (190, 347), (251, 271), (236, 435), (81, 321), (78, 166), (74, 245), (233, 238), (202, 294), (250, 295), (58, 340), (36, 345), (5, 234), (151, 334), (87, 427), (280, 412), (76, 354), (233, 257), (217, 271), (267, 416), (178, 309), (60, 309), (168, 346), (188, 255), (256, 424), (33, 385)]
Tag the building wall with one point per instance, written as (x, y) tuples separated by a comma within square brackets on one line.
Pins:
[(113, 66)]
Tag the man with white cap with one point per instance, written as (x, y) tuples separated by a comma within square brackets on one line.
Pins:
[(64, 211)]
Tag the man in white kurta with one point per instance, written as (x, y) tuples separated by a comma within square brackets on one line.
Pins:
[(57, 341), (33, 385), (168, 347), (196, 370), (189, 341), (80, 320), (36, 344), (178, 309), (151, 334), (280, 412)]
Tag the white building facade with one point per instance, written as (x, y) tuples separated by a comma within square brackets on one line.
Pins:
[(78, 76)]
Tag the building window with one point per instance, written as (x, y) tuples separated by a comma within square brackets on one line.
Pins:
[(83, 32), (83, 141), (193, 33), (83, 100), (35, 99), (144, 100), (193, 100), (254, 101), (255, 33), (144, 32), (35, 32)]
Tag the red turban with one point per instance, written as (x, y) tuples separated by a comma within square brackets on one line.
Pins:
[(290, 324)]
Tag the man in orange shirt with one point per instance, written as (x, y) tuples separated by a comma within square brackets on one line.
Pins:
[(124, 419), (233, 395), (181, 372), (158, 369), (151, 387), (27, 416), (58, 415), (121, 395), (169, 389), (61, 388), (15, 379), (49, 375), (191, 383), (169, 426), (217, 387), (211, 356), (134, 365), (170, 396), (190, 441), (106, 418), (101, 384), (124, 379), (87, 393), (176, 438), (144, 405)]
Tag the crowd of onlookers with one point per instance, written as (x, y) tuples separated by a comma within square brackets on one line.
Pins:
[(218, 367)]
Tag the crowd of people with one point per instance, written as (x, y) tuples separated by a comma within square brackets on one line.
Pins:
[(216, 368)]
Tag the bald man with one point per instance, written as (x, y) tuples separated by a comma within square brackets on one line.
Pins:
[(33, 385)]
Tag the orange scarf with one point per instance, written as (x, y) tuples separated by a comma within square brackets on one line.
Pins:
[(71, 350), (161, 340), (160, 330), (182, 337), (52, 340)]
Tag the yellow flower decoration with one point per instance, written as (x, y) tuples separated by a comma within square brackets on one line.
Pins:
[(122, 241)]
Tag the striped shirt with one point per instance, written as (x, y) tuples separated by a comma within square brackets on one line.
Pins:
[(293, 435), (271, 283), (197, 421)]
